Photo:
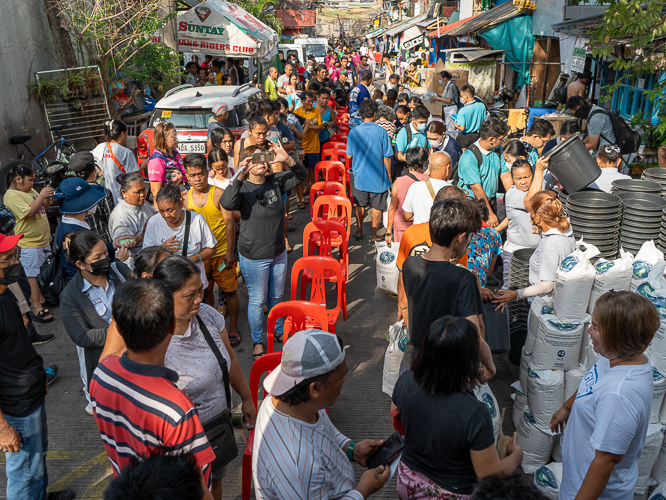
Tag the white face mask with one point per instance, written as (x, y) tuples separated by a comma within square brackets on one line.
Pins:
[(438, 143)]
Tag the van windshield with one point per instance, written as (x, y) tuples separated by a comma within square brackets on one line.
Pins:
[(317, 50)]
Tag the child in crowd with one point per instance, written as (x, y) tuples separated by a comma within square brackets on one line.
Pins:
[(413, 102), (378, 96), (220, 172), (484, 247), (403, 99), (517, 222)]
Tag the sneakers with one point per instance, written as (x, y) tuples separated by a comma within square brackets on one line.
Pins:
[(89, 409), (62, 495), (41, 339), (52, 373)]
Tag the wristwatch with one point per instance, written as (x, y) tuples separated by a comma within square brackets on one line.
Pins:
[(350, 451)]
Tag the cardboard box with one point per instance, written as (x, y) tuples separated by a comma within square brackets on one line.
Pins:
[(435, 108), (460, 77)]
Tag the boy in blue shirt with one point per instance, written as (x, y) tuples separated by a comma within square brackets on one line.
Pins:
[(470, 116), (480, 168), (414, 134), (536, 137)]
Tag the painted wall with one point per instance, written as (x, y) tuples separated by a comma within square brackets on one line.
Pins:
[(26, 46)]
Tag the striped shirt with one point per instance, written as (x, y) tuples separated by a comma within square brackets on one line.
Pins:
[(386, 125), (294, 459), (140, 412)]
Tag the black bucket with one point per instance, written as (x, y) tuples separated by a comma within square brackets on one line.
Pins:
[(572, 164)]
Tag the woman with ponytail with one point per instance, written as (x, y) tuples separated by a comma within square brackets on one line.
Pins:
[(557, 240), (609, 159), (113, 158)]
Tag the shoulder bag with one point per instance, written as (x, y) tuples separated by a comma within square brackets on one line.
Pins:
[(219, 430), (115, 160)]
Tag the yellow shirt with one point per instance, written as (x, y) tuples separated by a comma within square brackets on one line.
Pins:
[(35, 229), (311, 139), (213, 217)]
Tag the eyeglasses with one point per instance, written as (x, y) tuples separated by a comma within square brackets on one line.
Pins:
[(14, 258)]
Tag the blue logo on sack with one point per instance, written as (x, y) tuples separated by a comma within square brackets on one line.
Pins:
[(604, 267), (386, 257), (560, 353), (528, 417), (569, 263), (545, 477), (563, 327), (656, 376), (547, 310), (646, 290), (641, 269), (488, 400)]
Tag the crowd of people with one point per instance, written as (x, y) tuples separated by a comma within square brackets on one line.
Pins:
[(157, 358)]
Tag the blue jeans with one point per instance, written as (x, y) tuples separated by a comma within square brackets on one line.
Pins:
[(26, 468), (265, 280)]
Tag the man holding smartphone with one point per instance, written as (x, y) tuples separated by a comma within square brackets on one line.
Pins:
[(298, 452)]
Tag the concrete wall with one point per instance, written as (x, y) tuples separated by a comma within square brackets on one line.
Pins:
[(26, 46)]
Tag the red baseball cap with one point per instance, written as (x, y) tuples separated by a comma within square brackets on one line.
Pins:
[(9, 242)]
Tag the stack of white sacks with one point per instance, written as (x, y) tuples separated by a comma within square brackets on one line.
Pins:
[(558, 352)]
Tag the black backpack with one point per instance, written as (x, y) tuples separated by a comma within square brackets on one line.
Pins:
[(479, 160), (626, 138), (51, 278)]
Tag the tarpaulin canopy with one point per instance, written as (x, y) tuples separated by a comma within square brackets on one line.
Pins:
[(515, 37), (225, 29)]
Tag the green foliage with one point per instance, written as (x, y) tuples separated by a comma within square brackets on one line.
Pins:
[(632, 38), (156, 66), (260, 9)]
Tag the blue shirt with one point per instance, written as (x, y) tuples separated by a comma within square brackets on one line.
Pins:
[(419, 139), (369, 144), (324, 134), (471, 116), (359, 94), (285, 132), (487, 174), (101, 299)]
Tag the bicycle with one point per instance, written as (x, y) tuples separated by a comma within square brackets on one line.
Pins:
[(44, 170)]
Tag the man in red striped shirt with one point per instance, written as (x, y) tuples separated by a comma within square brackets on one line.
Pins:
[(139, 410)]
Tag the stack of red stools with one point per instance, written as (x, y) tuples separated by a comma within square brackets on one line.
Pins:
[(331, 212)]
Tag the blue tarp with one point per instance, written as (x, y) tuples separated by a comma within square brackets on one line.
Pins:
[(516, 38)]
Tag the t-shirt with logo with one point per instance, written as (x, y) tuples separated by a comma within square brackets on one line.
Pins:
[(311, 139), (35, 229), (416, 241)]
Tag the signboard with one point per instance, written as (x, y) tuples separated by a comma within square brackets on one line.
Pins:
[(414, 42), (225, 29), (579, 52)]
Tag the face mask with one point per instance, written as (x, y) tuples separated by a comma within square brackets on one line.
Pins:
[(101, 267), (438, 143), (441, 82), (582, 111), (379, 101), (11, 274), (421, 127)]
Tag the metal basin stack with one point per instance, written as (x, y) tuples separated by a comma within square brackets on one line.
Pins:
[(656, 174), (642, 216), (635, 186), (596, 217), (519, 275)]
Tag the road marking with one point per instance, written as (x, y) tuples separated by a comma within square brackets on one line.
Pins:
[(68, 480)]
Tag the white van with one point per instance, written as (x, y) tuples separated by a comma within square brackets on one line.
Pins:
[(304, 47)]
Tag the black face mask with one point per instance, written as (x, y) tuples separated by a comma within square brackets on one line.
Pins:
[(582, 111), (101, 267), (11, 274)]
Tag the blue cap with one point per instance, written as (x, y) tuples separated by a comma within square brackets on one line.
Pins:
[(79, 196)]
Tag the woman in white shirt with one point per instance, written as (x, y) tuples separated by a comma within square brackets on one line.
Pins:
[(608, 159), (607, 418), (220, 171), (169, 230), (191, 356), (113, 158)]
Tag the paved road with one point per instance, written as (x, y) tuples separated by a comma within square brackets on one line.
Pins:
[(76, 456)]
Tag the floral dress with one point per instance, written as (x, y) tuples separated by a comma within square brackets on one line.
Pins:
[(485, 244)]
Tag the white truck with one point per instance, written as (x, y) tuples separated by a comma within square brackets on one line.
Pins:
[(302, 48)]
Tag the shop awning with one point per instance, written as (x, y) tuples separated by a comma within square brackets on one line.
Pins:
[(480, 22), (225, 29), (472, 53), (404, 25), (297, 18)]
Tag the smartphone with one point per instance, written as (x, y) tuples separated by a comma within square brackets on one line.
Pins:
[(235, 176), (387, 452), (222, 266), (263, 157), (126, 241)]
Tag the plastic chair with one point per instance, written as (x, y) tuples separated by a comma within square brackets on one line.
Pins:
[(334, 145), (339, 137), (343, 115), (323, 236), (342, 109), (333, 171), (299, 315), (324, 188), (265, 364), (320, 267), (337, 208), (341, 156)]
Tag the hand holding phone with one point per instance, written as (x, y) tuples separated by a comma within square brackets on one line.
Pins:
[(263, 157), (387, 452)]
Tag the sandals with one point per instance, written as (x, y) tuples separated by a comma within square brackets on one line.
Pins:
[(42, 316), (277, 338), (234, 339), (301, 205), (256, 356), (356, 237)]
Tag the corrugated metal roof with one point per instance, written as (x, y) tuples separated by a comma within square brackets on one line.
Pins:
[(579, 26), (472, 53), (480, 22), (403, 25)]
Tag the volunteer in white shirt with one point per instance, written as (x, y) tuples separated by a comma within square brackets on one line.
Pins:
[(607, 418), (172, 230), (421, 195), (609, 159), (557, 241), (113, 158), (450, 98)]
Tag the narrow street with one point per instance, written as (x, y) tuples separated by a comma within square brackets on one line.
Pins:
[(76, 457)]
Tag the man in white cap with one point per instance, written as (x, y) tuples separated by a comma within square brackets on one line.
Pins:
[(220, 115), (298, 452)]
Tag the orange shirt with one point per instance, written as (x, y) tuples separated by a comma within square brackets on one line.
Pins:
[(416, 241)]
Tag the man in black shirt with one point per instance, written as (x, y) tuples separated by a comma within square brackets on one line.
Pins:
[(435, 286), (342, 89), (23, 387)]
